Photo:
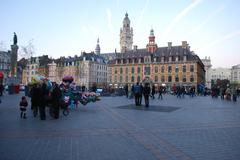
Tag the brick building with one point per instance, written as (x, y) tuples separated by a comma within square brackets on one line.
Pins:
[(170, 65)]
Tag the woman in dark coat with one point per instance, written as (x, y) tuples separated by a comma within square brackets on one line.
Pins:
[(34, 99), (146, 93), (43, 93), (56, 97)]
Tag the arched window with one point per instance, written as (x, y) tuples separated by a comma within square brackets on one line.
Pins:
[(156, 69), (184, 68), (138, 79), (132, 79), (156, 79), (191, 78), (176, 78), (126, 70), (132, 70), (192, 68), (169, 78), (169, 69), (162, 69), (184, 78), (176, 69), (139, 70), (163, 79)]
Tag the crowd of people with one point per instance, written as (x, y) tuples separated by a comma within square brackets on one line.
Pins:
[(40, 98), (138, 91), (226, 93)]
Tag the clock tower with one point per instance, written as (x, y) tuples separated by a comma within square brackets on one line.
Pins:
[(126, 35)]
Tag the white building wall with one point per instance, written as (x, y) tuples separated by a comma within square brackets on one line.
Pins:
[(52, 74), (220, 73), (235, 73)]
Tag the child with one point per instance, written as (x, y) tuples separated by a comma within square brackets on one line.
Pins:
[(75, 101), (23, 107)]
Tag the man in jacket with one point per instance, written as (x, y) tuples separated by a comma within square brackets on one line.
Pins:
[(146, 93)]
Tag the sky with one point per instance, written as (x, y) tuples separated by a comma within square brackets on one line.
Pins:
[(68, 27)]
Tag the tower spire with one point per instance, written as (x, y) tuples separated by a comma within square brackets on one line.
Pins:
[(97, 49), (126, 35), (151, 46)]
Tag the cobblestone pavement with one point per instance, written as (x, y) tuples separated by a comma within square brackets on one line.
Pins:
[(200, 128)]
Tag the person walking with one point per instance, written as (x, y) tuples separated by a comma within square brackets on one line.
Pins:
[(137, 94), (56, 98), (182, 91), (153, 92), (23, 107), (126, 90), (34, 99), (146, 93), (1, 89), (178, 92), (141, 94), (160, 91), (43, 93)]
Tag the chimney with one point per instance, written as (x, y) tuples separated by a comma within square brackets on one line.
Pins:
[(184, 44), (169, 45), (135, 48)]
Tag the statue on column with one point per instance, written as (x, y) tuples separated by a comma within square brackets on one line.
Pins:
[(15, 39)]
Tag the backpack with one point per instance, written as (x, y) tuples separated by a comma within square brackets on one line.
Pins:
[(136, 89)]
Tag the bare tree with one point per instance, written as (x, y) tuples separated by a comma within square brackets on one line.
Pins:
[(28, 50), (3, 46)]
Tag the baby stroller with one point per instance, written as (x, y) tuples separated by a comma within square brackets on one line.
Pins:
[(65, 105)]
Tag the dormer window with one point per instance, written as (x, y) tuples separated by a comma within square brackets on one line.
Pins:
[(135, 60), (176, 58), (155, 59), (129, 60), (147, 59), (184, 58), (170, 59), (162, 59)]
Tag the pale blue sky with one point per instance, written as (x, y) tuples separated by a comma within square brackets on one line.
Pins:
[(67, 27)]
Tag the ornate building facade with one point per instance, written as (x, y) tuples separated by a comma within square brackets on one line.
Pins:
[(235, 73), (126, 35), (207, 66), (35, 66), (170, 65), (87, 70), (5, 61)]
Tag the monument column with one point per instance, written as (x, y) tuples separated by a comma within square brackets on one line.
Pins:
[(14, 54)]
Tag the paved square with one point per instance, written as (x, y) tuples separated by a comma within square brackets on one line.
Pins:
[(157, 108), (199, 128)]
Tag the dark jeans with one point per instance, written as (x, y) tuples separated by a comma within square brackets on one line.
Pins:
[(42, 112), (126, 93), (153, 97), (35, 110), (146, 98), (160, 95), (137, 99), (56, 108), (140, 99)]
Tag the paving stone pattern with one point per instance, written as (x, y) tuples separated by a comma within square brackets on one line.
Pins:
[(199, 128)]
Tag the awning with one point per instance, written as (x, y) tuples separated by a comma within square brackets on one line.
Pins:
[(1, 75)]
